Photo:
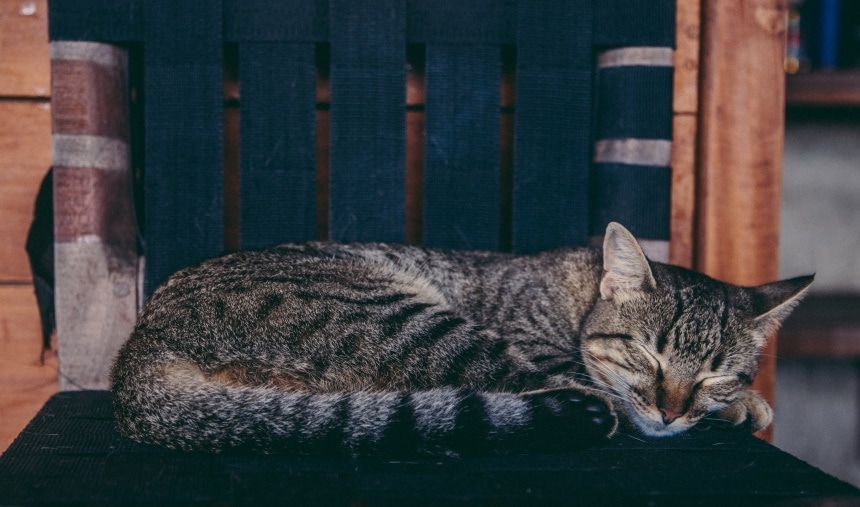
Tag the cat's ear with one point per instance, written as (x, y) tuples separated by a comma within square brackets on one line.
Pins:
[(625, 268), (773, 302)]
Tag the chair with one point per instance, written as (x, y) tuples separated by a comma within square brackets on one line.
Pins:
[(517, 126), (524, 127)]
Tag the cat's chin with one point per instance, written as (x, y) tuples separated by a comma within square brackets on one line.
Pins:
[(650, 428)]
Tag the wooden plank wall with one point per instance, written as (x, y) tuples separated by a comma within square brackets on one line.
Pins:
[(25, 155)]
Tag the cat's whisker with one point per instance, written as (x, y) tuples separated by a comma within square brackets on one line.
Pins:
[(600, 386), (712, 418), (611, 394), (609, 372), (630, 435)]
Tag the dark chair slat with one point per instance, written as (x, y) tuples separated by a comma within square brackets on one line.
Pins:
[(280, 21), (620, 23), (368, 120), (278, 147), (183, 141), (634, 102), (637, 196), (96, 20), (552, 151), (631, 181), (482, 22), (461, 147)]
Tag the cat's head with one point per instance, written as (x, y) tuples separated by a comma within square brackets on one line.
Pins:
[(673, 344)]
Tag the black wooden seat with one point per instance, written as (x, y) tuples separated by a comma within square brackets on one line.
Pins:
[(71, 453)]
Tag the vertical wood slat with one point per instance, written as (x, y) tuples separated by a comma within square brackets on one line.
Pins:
[(183, 140), (552, 147), (94, 228), (740, 150), (278, 147), (461, 148), (685, 106), (415, 116), (368, 117)]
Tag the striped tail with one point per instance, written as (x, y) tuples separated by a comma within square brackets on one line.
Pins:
[(214, 417)]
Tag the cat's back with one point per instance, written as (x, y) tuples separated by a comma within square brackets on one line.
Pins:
[(236, 294), (327, 265)]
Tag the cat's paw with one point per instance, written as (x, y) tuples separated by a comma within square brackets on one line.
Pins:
[(750, 410), (571, 416)]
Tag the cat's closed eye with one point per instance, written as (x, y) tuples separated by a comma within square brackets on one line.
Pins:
[(610, 336)]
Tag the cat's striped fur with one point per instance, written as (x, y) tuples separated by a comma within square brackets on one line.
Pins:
[(373, 347)]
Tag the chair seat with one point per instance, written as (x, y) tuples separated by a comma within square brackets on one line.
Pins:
[(72, 453)]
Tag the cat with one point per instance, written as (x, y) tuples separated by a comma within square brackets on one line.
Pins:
[(362, 348)]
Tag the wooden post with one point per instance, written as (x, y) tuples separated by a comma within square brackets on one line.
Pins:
[(685, 110), (94, 229), (740, 148)]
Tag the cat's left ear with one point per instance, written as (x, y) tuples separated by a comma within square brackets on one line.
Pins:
[(625, 269), (773, 302)]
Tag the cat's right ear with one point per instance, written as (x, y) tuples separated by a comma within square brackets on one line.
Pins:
[(773, 302), (625, 268)]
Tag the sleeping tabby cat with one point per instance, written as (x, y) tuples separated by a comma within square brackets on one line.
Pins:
[(374, 347)]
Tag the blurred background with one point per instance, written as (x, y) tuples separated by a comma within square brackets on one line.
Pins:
[(818, 368), (818, 372)]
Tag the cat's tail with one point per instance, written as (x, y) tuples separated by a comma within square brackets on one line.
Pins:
[(184, 410)]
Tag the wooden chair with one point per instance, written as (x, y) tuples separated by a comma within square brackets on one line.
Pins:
[(486, 125), (516, 127)]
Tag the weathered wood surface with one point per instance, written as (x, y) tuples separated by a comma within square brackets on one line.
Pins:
[(95, 237), (740, 151), (685, 105), (682, 244), (27, 378), (24, 62), (25, 155)]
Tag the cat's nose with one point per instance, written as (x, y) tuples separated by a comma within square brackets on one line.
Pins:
[(669, 415)]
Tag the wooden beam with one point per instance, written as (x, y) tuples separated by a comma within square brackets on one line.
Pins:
[(741, 132), (685, 107)]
